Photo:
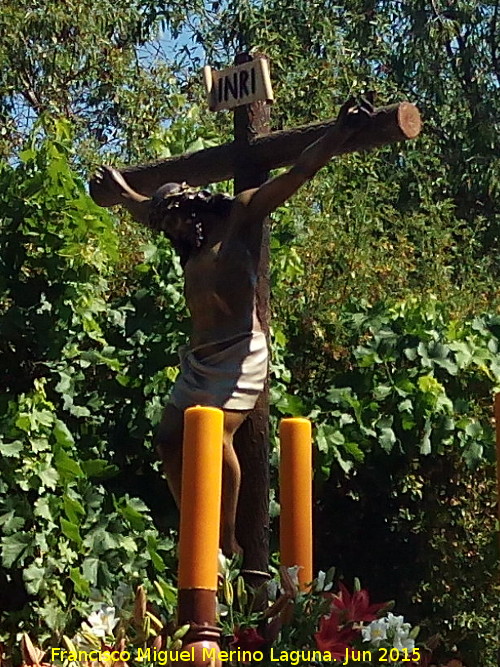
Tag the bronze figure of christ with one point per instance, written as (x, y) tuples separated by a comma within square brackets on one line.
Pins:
[(218, 239)]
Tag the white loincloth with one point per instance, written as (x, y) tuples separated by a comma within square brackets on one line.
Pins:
[(231, 378)]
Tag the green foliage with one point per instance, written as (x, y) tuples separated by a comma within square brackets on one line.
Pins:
[(60, 527), (459, 588), (102, 66), (399, 384), (402, 411), (70, 395), (408, 378)]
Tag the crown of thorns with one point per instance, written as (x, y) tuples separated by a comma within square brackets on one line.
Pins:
[(173, 195)]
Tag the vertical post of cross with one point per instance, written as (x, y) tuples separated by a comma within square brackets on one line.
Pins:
[(252, 438)]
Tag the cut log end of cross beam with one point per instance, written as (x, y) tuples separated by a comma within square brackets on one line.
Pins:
[(388, 125), (409, 120)]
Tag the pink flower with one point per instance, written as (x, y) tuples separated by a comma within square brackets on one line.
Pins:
[(247, 639), (355, 608), (333, 638)]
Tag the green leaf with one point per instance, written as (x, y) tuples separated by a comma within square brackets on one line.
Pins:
[(90, 568), (149, 251), (474, 429), (381, 391), (11, 449), (74, 509), (425, 445), (290, 405), (448, 365), (100, 540), (429, 384), (197, 145), (33, 577), (79, 411), (43, 509), (71, 531), (62, 434), (66, 466), (14, 547), (40, 444), (23, 422), (405, 406), (53, 615), (407, 422), (132, 510), (48, 476), (156, 559), (128, 543), (11, 522), (82, 586), (99, 468), (386, 437), (472, 454), (354, 450), (463, 353), (167, 592)]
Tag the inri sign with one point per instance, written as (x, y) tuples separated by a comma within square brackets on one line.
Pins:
[(235, 86)]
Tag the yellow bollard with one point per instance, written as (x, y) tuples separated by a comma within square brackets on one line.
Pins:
[(199, 532), (497, 430), (296, 497), (201, 497)]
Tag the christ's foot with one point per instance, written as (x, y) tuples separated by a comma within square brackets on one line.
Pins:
[(229, 545)]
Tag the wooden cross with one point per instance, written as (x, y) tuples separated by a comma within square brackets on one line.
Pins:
[(248, 160)]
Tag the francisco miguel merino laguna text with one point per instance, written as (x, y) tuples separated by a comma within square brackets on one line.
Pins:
[(294, 657)]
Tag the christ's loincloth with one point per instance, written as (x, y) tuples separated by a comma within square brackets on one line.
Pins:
[(231, 378)]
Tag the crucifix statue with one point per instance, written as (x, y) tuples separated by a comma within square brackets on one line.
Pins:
[(221, 241)]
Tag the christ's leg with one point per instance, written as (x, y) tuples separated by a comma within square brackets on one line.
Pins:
[(231, 479), (169, 440)]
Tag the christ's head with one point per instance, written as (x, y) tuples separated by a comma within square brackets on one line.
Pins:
[(186, 215)]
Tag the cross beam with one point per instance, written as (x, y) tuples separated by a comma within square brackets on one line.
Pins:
[(388, 125)]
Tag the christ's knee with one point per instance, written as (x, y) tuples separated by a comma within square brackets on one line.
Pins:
[(168, 448)]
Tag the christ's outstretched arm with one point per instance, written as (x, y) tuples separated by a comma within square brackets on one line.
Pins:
[(265, 199)]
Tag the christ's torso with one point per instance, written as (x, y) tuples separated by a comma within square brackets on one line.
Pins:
[(220, 284)]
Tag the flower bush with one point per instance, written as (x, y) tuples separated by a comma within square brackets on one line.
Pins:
[(345, 624), (284, 625)]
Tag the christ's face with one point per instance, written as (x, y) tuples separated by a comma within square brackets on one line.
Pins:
[(179, 226), (182, 227), (175, 209)]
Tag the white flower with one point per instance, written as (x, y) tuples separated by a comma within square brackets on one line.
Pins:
[(395, 621), (272, 590), (221, 609), (399, 633), (375, 632), (293, 573), (320, 582), (222, 563), (102, 622), (402, 639)]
